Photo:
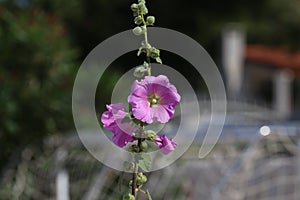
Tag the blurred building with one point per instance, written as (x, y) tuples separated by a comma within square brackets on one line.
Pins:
[(267, 75), (276, 72)]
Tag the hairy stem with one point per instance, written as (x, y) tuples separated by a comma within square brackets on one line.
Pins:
[(136, 168), (147, 45), (133, 191)]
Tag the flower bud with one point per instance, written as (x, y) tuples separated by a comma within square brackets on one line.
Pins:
[(138, 31), (130, 183), (141, 179), (128, 197), (134, 7), (146, 65), (138, 20), (134, 148), (154, 53), (142, 8), (144, 146), (151, 135), (150, 20)]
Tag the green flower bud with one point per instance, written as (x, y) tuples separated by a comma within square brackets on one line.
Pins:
[(128, 197), (134, 148), (130, 183), (138, 31), (145, 64), (144, 146), (142, 8), (138, 20), (154, 53), (141, 179), (134, 7), (150, 20), (151, 135), (145, 46), (135, 13)]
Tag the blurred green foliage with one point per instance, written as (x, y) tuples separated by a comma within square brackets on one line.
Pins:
[(37, 67)]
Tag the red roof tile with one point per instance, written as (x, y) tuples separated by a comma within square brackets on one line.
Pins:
[(277, 57)]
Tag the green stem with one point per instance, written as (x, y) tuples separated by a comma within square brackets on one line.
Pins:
[(144, 192), (134, 177), (136, 167), (147, 46)]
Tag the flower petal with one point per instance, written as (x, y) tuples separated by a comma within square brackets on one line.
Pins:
[(112, 120), (166, 94), (122, 139), (107, 120), (165, 144), (159, 114), (141, 111)]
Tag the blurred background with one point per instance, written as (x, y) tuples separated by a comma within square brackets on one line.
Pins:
[(256, 46)]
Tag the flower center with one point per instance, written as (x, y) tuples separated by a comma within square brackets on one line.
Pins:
[(153, 100)]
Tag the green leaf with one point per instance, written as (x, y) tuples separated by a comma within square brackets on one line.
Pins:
[(148, 195), (158, 60), (140, 71), (144, 161), (128, 166), (140, 51)]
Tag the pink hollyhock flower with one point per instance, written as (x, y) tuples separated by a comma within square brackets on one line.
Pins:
[(165, 144), (153, 99), (112, 120)]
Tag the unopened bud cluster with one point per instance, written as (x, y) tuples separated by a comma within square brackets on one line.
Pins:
[(139, 11)]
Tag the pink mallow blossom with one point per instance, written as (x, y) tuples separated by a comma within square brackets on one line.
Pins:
[(165, 144), (112, 120), (153, 99)]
